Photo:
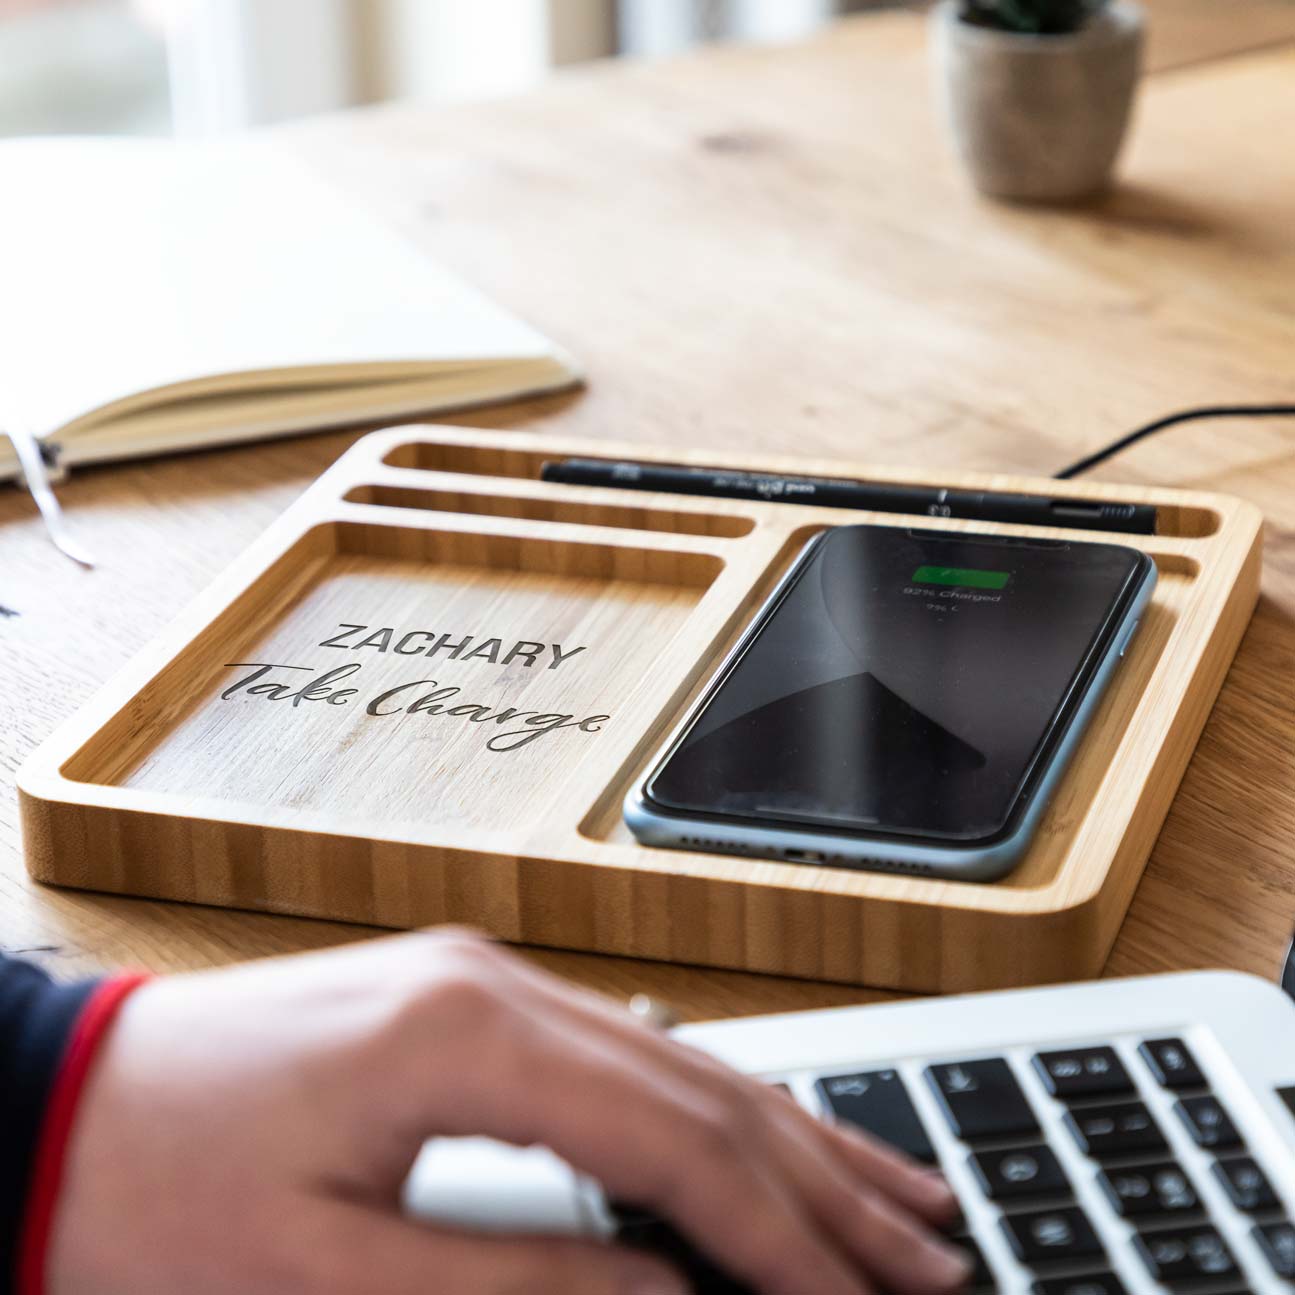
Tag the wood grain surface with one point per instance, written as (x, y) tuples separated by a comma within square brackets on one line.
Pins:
[(1187, 32), (772, 250)]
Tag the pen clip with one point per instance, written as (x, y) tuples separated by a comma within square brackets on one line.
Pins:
[(36, 477)]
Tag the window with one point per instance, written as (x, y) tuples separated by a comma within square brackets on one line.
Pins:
[(209, 66), (81, 66)]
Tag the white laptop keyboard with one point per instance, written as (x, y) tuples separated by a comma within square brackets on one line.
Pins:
[(1123, 1136)]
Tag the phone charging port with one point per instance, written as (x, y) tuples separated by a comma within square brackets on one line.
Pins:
[(804, 856)]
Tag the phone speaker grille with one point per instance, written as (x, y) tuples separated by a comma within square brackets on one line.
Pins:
[(705, 844), (837, 860), (909, 869)]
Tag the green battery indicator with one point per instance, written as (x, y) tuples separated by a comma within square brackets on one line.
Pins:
[(962, 577)]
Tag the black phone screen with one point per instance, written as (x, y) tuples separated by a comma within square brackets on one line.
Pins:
[(904, 682)]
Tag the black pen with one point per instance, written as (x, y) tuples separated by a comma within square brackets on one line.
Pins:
[(869, 496)]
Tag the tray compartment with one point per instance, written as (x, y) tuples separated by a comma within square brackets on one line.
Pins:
[(520, 653), (1112, 727)]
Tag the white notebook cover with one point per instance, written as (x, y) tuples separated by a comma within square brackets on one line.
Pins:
[(133, 265)]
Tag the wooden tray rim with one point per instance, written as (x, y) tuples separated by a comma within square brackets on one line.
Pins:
[(41, 778)]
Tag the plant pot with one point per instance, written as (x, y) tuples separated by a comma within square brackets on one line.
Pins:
[(1039, 118)]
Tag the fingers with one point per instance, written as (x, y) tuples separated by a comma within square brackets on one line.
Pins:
[(746, 1218), (352, 1250), (886, 1241), (923, 1191), (842, 1178), (540, 1073), (865, 1194), (752, 1180), (673, 1149)]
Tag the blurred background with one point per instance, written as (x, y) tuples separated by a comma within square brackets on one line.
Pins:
[(202, 67)]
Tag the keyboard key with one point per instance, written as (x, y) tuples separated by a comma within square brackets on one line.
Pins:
[(1023, 1173), (1246, 1184), (1208, 1123), (878, 1102), (1142, 1191), (981, 1276), (1185, 1256), (1089, 1284), (1277, 1241), (1172, 1063), (1288, 1096), (1120, 1129), (1083, 1072), (1052, 1236), (982, 1100)]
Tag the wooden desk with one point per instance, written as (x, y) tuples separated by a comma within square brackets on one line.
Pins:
[(1188, 32), (774, 248)]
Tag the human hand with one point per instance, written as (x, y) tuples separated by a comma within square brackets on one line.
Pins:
[(249, 1131)]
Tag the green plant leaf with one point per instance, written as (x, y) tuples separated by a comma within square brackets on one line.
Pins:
[(1034, 17)]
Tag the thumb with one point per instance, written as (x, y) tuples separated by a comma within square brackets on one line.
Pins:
[(361, 1251)]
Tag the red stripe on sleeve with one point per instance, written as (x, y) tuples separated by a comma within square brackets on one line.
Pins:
[(56, 1128)]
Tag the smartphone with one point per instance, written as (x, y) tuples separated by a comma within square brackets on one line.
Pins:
[(906, 700)]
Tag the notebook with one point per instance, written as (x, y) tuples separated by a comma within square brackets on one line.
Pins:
[(162, 296)]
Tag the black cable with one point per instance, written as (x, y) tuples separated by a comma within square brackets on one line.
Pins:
[(1287, 979), (1185, 416)]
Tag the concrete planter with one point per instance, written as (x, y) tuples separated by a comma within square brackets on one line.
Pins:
[(1039, 118)]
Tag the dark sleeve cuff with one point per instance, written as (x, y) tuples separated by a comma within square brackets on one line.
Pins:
[(36, 1021), (48, 1036)]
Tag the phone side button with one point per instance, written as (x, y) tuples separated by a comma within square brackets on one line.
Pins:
[(1128, 636)]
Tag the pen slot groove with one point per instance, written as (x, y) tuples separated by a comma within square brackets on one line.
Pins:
[(1181, 521), (640, 517)]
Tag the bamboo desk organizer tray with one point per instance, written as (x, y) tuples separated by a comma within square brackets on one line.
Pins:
[(604, 611)]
